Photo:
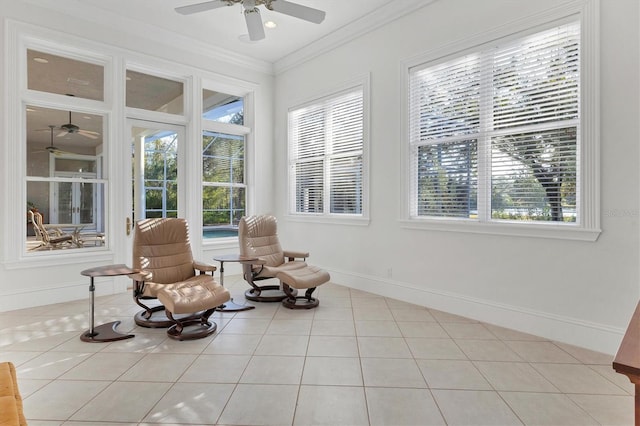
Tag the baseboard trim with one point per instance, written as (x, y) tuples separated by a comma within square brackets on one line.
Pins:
[(77, 290), (594, 336)]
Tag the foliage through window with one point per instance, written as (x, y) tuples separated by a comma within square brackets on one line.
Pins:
[(223, 179), (326, 141), (494, 134)]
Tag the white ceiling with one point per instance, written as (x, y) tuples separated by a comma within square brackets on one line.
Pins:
[(224, 27)]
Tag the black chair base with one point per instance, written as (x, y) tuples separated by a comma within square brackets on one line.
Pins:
[(191, 330), (265, 293), (159, 319), (292, 301), (300, 302)]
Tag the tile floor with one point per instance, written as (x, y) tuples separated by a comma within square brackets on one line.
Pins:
[(358, 359)]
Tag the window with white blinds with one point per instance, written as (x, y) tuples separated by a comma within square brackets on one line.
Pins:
[(326, 142), (494, 134)]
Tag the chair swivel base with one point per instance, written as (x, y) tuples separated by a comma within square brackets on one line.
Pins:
[(300, 302), (159, 319), (192, 329), (265, 293)]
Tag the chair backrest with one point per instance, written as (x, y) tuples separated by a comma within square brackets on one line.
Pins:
[(38, 227), (258, 236), (161, 247)]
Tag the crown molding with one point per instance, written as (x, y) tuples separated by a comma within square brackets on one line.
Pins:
[(389, 12), (142, 30)]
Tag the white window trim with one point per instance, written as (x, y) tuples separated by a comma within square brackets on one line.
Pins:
[(334, 218), (587, 11)]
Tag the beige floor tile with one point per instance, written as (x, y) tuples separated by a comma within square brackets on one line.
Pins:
[(159, 368), (283, 345), (514, 376), (233, 344), (586, 356), (103, 366), (261, 311), (289, 327), (191, 403), (284, 313), (377, 328), (216, 369), (463, 407), (402, 407), (452, 374), (422, 329), (30, 386), (487, 350), (335, 346), (332, 371), (613, 376), (331, 406), (540, 352), (577, 378), (423, 348), (18, 358), (368, 313), (246, 326), (369, 303), (509, 334), (172, 346), (33, 341), (280, 370), (333, 327), (421, 315), (122, 402), (60, 399), (550, 409), (607, 409), (389, 372), (333, 313), (334, 302), (50, 365), (252, 404), (383, 347), (474, 331), (144, 342)]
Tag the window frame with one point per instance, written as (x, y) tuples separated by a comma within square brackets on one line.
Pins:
[(589, 145), (362, 82)]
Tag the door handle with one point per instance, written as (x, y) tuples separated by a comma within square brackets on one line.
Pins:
[(128, 226)]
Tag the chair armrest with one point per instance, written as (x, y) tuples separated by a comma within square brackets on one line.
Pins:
[(139, 276), (205, 267), (295, 254)]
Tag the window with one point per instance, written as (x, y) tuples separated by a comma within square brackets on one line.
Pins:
[(224, 189), (326, 150), (224, 175), (495, 135)]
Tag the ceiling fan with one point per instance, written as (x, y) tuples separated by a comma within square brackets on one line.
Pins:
[(252, 14), (52, 149), (71, 128)]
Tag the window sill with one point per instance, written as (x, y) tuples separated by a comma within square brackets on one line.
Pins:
[(329, 219), (553, 231), (48, 258)]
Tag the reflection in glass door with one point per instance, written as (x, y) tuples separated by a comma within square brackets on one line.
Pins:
[(155, 170)]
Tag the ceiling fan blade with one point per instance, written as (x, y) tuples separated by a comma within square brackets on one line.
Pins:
[(64, 133), (89, 134), (254, 24), (298, 11), (201, 7)]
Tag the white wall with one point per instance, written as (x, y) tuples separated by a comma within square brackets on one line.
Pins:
[(58, 280), (578, 292)]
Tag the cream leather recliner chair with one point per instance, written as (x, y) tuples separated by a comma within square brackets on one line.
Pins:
[(258, 239), (162, 252)]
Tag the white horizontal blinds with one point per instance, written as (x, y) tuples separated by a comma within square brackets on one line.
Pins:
[(514, 104), (345, 153), (307, 138), (535, 90), (325, 152), (534, 176), (444, 120)]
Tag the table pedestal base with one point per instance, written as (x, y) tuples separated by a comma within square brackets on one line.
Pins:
[(232, 306), (104, 333)]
